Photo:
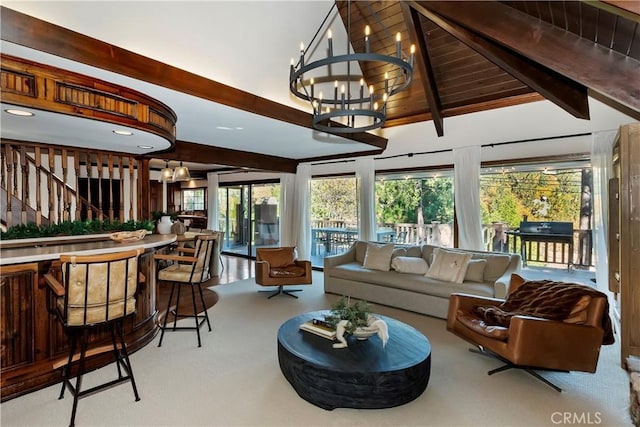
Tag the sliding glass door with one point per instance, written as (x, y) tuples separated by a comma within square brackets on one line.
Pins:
[(249, 214)]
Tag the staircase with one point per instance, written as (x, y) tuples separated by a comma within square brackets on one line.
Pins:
[(40, 184)]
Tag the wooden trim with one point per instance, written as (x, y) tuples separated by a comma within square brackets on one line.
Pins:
[(46, 37)]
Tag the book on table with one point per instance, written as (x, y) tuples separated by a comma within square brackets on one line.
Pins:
[(320, 329)]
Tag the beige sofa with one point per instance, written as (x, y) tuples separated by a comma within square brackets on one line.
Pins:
[(345, 274)]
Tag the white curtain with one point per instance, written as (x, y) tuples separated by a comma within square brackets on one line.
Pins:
[(601, 163), (365, 175), (301, 213), (466, 188), (212, 201), (287, 208)]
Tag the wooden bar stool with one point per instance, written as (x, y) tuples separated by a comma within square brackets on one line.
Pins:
[(98, 290)]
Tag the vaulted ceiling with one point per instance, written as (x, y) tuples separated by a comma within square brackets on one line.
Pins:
[(477, 55)]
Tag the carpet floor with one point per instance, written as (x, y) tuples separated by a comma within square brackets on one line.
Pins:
[(234, 380)]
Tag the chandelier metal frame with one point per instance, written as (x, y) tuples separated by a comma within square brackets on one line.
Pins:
[(366, 115)]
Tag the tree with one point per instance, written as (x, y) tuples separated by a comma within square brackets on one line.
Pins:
[(334, 199)]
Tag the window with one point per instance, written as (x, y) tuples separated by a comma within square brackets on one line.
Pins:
[(417, 207), (334, 216), (193, 200)]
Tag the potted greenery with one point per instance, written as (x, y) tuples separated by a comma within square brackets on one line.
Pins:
[(356, 315), (73, 228)]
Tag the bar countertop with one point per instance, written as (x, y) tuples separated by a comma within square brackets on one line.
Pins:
[(52, 250)]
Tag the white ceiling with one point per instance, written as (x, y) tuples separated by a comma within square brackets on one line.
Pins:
[(247, 45)]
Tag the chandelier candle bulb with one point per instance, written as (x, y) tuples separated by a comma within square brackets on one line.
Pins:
[(386, 82), (301, 54), (366, 38), (342, 96), (330, 40), (371, 97), (398, 47), (413, 51)]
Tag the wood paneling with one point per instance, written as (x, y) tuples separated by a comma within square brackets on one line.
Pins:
[(78, 95), (624, 252)]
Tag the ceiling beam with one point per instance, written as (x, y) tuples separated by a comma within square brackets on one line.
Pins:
[(567, 94), (412, 20), (40, 35), (192, 152), (602, 70)]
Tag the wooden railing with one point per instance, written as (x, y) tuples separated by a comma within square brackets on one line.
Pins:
[(41, 184)]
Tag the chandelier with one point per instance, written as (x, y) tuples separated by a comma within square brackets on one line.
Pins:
[(341, 101), (180, 173)]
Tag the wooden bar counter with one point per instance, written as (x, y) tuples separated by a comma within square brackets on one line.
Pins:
[(33, 344)]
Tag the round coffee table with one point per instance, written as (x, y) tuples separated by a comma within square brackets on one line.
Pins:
[(363, 375)]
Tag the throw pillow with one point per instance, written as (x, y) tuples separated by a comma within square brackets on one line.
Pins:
[(378, 257), (409, 264), (449, 266), (475, 270)]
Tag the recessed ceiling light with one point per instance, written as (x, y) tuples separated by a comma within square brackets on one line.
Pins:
[(145, 147), (223, 128), (17, 112), (239, 128), (123, 132)]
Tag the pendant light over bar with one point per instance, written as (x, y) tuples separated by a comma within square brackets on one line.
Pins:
[(341, 101)]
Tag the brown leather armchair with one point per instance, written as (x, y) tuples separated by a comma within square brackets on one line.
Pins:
[(540, 340), (280, 267)]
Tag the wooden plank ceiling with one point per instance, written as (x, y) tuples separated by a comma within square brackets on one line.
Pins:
[(478, 55)]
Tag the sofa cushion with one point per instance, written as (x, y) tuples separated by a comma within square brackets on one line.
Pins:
[(449, 266), (414, 251), (408, 264), (378, 257), (475, 270), (496, 265)]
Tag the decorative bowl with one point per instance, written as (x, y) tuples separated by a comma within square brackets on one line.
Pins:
[(128, 236), (364, 332)]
